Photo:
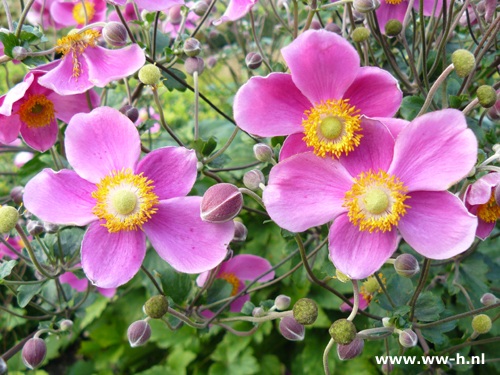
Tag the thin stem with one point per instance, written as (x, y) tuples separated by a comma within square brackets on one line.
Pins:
[(264, 58), (239, 333), (9, 16), (265, 318), (470, 343), (254, 196), (280, 20), (325, 356), (31, 253), (23, 18), (185, 319), (230, 140), (434, 88), (9, 246), (162, 118), (355, 289), (236, 168), (84, 12), (155, 30), (203, 19), (384, 289), (295, 19), (196, 105), (148, 274), (310, 15), (420, 286)]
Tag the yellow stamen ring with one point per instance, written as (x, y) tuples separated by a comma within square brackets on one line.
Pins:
[(79, 13), (394, 2), (231, 279), (37, 111), (74, 44), (490, 211)]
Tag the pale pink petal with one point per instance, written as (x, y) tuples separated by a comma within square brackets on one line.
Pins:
[(270, 106), (102, 141), (484, 229), (202, 278), (107, 292), (429, 6), (78, 284), (236, 10), (434, 151), (249, 267), (22, 158), (359, 254), (42, 138), (157, 5), (111, 259), (9, 128), (389, 11), (62, 13), (69, 105), (491, 6), (395, 125), (363, 304), (437, 226), (480, 191), (323, 64), (15, 94), (305, 191), (294, 144)]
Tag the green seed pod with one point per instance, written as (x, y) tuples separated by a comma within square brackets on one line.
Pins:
[(343, 331), (8, 218), (343, 278), (156, 307), (150, 75), (371, 285), (360, 34), (393, 27), (487, 96), (305, 311), (481, 323), (463, 61)]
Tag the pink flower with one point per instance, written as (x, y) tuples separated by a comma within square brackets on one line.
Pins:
[(143, 116), (150, 5), (480, 201), (85, 64), (124, 200), (22, 158), (72, 13), (323, 103), (172, 27), (236, 271), (34, 15), (235, 10), (82, 284), (16, 243), (364, 302), (384, 187), (33, 109)]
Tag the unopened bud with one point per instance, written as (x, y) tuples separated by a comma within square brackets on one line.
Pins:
[(386, 322), (115, 34), (358, 16), (263, 152), (488, 299), (343, 331), (360, 34), (350, 351), (156, 307), (192, 47), (150, 75), (315, 25), (211, 61), (131, 112), (174, 15), (240, 232), (8, 218), (199, 8), (333, 27), (305, 311), (34, 352), (371, 285), (472, 172), (292, 330), (138, 333), (487, 96), (19, 53), (387, 368), (481, 323), (3, 367), (66, 325), (258, 312), (253, 60), (464, 62), (282, 302), (393, 27), (408, 338), (194, 64), (35, 228), (252, 179), (342, 277), (406, 265), (365, 6), (16, 194), (221, 203), (212, 34), (50, 227)]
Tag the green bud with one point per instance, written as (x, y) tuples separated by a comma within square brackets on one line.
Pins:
[(156, 307), (343, 278), (360, 34), (487, 96), (393, 27), (8, 218), (463, 61), (481, 323), (305, 311), (150, 75), (371, 285), (343, 331)]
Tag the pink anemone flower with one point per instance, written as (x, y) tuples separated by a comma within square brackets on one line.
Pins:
[(35, 14), (16, 243), (392, 185), (85, 64), (236, 9), (143, 116), (32, 110), (22, 158), (81, 285), (236, 271), (150, 5), (324, 104), (72, 13), (124, 200), (480, 201), (174, 23)]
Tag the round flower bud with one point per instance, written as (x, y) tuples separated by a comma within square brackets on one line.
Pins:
[(253, 60), (131, 112), (150, 75), (464, 62), (240, 232), (343, 278), (481, 323), (282, 302), (358, 16), (365, 6), (371, 285), (115, 34), (34, 352), (350, 351), (252, 179), (194, 64), (16, 194), (487, 96), (192, 47), (406, 265), (19, 53), (291, 330), (138, 333), (305, 311), (35, 227), (360, 34), (333, 27), (488, 299), (174, 15), (212, 34), (393, 27), (315, 25), (66, 325), (8, 218), (199, 8), (211, 61), (493, 114), (156, 307), (263, 152), (387, 368), (221, 203), (258, 312), (50, 227), (3, 367), (386, 322), (343, 331), (408, 338)]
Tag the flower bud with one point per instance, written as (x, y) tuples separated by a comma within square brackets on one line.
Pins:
[(493, 114), (464, 62), (35, 227), (292, 330), (192, 47), (350, 351), (282, 302), (371, 285), (194, 64), (488, 299), (211, 61), (386, 322), (263, 152), (3, 367), (252, 179), (481, 323), (34, 352), (19, 53), (50, 227), (199, 8), (229, 255), (16, 194), (240, 232), (221, 203), (393, 27), (156, 307), (305, 311), (408, 338), (406, 265), (115, 34), (212, 34), (174, 15), (138, 333), (358, 16), (150, 75), (253, 60), (343, 331), (387, 368), (487, 96), (341, 277), (8, 218), (258, 312), (131, 112), (360, 34), (66, 325), (315, 25), (365, 6), (333, 27)]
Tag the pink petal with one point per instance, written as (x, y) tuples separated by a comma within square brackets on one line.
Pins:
[(15, 94), (437, 226), (484, 229), (202, 278), (177, 174), (69, 105), (111, 259), (42, 138), (270, 106), (237, 305), (395, 125), (78, 284), (363, 304), (100, 142), (428, 7), (236, 10), (157, 5), (60, 197), (293, 145), (388, 12), (186, 242), (9, 128), (490, 9), (359, 254), (22, 158), (107, 292), (480, 191), (305, 191), (62, 13), (434, 151), (249, 267), (375, 93), (323, 64)]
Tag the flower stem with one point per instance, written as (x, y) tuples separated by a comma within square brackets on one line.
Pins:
[(264, 58), (325, 356), (434, 88), (31, 253), (355, 307), (162, 118), (196, 105)]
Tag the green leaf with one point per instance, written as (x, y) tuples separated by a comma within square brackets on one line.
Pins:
[(287, 234), (26, 292), (170, 83), (71, 240), (148, 124), (411, 106), (247, 308), (400, 289), (456, 101), (175, 284), (9, 41), (401, 310), (178, 360), (428, 307), (220, 289), (219, 161), (279, 67), (205, 147), (31, 168), (435, 334), (162, 40), (6, 268)]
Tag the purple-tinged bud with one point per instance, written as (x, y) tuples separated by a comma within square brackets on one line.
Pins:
[(252, 179), (352, 350), (333, 27), (211, 62), (229, 255), (408, 338), (156, 307), (488, 299), (497, 194), (50, 227), (212, 34), (16, 194), (365, 6), (115, 34), (221, 203), (343, 331), (387, 368), (194, 64), (131, 112), (8, 218), (3, 367), (282, 302), (305, 311), (258, 312), (66, 325), (263, 152), (315, 25), (406, 265), (291, 330), (253, 60), (199, 8), (35, 228), (192, 47), (240, 232), (358, 16), (19, 53), (174, 15), (34, 352), (481, 8), (138, 333)]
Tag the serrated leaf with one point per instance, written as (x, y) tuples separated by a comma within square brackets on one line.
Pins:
[(219, 161), (6, 268), (9, 41), (411, 106), (428, 307), (401, 310), (175, 284), (287, 234), (26, 292), (71, 240), (399, 288)]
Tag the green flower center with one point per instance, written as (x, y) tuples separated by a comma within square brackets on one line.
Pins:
[(331, 127), (124, 201), (376, 201)]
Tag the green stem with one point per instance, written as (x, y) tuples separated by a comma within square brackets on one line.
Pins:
[(31, 253), (325, 356)]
